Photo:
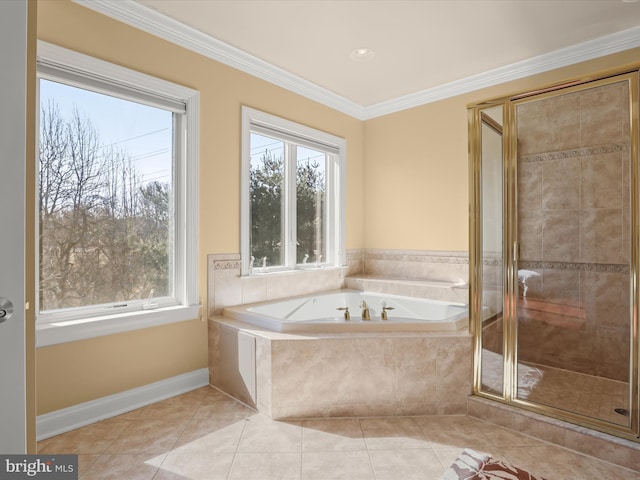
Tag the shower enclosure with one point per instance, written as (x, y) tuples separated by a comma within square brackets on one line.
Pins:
[(554, 251)]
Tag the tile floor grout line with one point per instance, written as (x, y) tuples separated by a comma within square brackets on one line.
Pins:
[(367, 449), (235, 452), (394, 429), (184, 427)]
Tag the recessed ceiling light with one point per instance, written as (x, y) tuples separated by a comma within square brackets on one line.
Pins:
[(362, 54)]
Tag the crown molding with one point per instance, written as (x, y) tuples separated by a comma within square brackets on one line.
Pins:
[(599, 47), (155, 23)]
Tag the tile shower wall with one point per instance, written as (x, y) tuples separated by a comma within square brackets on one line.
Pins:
[(574, 230)]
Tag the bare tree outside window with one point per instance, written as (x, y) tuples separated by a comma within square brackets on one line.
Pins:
[(105, 220)]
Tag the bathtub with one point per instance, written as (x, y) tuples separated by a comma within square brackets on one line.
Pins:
[(323, 313)]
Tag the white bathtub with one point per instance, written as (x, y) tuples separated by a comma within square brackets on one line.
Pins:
[(320, 313)]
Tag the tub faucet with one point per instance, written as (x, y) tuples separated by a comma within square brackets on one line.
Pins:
[(365, 311), (346, 312), (384, 315)]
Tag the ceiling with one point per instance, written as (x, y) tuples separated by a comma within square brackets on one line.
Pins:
[(421, 48)]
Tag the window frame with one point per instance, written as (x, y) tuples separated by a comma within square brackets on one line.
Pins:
[(293, 133), (78, 70)]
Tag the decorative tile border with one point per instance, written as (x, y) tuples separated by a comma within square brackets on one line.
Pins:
[(583, 267), (457, 258), (225, 265), (436, 259), (574, 153)]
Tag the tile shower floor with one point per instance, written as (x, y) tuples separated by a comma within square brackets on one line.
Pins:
[(592, 396), (589, 395), (207, 435)]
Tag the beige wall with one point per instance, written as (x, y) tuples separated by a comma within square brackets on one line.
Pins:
[(414, 184), (77, 372), (416, 167), (416, 178), (71, 373)]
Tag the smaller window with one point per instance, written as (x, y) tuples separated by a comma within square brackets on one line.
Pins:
[(292, 195)]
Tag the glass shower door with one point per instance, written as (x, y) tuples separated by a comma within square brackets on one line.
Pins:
[(491, 252), (573, 220)]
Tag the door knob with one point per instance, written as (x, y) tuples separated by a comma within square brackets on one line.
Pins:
[(6, 309)]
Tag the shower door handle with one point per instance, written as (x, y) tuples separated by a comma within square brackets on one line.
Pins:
[(516, 251)]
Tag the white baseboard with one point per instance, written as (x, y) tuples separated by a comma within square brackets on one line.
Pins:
[(70, 418)]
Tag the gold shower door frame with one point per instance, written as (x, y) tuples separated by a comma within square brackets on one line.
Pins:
[(511, 247)]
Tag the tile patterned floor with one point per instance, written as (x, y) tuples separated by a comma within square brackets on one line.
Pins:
[(206, 435)]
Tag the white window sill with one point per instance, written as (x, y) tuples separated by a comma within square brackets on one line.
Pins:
[(82, 329), (300, 268)]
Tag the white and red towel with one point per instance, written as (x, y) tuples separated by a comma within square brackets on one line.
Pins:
[(472, 465)]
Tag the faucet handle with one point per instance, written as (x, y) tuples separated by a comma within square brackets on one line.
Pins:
[(347, 316), (384, 315)]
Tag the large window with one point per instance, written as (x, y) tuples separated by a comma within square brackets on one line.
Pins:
[(116, 185), (293, 190)]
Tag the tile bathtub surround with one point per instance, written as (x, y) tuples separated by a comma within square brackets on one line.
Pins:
[(342, 375), (441, 291), (226, 287), (435, 275), (205, 435), (423, 265), (370, 376), (355, 261)]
